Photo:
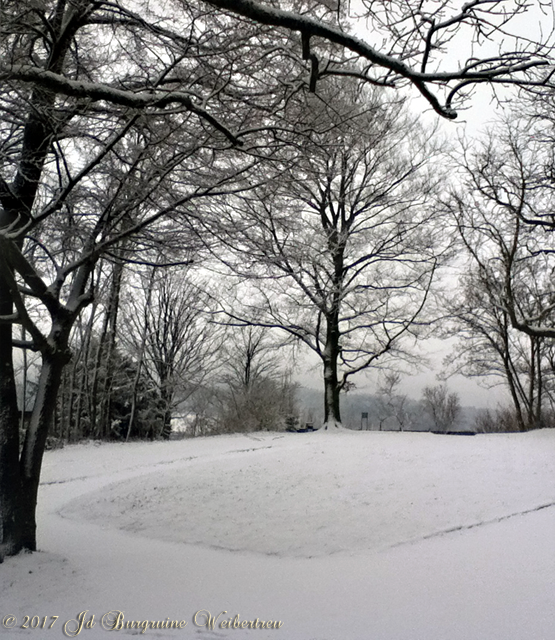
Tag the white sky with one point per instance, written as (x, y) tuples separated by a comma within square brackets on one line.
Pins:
[(308, 373)]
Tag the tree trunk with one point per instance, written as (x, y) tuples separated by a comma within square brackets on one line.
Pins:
[(332, 415), (512, 378), (85, 356), (70, 409), (540, 383), (167, 426), (10, 482), (109, 338), (17, 477), (530, 400), (35, 441), (141, 356), (166, 396), (332, 350)]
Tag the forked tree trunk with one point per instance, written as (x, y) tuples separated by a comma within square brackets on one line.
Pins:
[(167, 424), (35, 441), (10, 482), (19, 478)]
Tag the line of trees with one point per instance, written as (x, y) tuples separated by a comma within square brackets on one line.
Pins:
[(123, 124), (504, 308), (149, 352)]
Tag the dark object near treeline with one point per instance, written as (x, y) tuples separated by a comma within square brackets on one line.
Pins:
[(454, 433), (306, 429)]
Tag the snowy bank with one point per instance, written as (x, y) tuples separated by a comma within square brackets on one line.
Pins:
[(339, 536)]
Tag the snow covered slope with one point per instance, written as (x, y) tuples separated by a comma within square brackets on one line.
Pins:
[(339, 536)]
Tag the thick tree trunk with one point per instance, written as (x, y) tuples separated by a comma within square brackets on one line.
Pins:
[(512, 378), (17, 477), (167, 427), (35, 441), (10, 482), (332, 350), (166, 395), (332, 414)]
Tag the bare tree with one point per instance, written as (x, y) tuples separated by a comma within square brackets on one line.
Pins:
[(504, 307), (250, 356), (340, 248), (490, 348), (77, 180), (171, 336), (392, 411), (443, 407), (258, 393), (510, 179)]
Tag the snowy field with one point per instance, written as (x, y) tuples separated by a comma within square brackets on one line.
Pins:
[(337, 536)]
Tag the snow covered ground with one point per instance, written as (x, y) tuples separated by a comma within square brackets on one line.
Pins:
[(337, 536)]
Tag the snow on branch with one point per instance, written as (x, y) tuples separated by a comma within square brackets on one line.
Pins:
[(494, 70), (99, 91)]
